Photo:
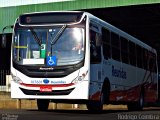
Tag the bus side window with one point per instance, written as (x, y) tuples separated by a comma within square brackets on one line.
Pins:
[(139, 56), (115, 46), (145, 58), (106, 41), (95, 47), (152, 62), (124, 50), (132, 53)]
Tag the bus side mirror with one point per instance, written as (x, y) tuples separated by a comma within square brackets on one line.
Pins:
[(4, 40), (3, 44)]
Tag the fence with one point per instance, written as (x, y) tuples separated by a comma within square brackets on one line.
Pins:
[(5, 78)]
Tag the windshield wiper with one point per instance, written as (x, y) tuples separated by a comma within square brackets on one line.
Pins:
[(54, 40), (57, 36), (35, 36)]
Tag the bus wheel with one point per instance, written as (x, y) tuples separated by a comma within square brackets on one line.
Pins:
[(42, 104), (96, 105), (137, 105), (106, 92)]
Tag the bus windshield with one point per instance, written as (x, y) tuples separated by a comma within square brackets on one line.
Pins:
[(32, 46)]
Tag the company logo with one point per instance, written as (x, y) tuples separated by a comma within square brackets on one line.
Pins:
[(120, 73), (58, 82), (46, 81)]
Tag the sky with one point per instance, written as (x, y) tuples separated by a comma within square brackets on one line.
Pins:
[(7, 3)]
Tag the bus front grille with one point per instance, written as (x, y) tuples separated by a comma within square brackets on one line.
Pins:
[(53, 92)]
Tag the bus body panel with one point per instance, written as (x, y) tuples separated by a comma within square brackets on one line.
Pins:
[(60, 84), (80, 88), (127, 85)]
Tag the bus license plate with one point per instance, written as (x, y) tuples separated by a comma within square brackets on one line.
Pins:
[(45, 89)]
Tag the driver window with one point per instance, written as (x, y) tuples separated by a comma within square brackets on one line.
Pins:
[(95, 47)]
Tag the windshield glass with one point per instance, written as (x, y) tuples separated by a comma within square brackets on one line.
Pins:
[(54, 46)]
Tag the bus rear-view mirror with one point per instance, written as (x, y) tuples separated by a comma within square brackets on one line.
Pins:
[(3, 44)]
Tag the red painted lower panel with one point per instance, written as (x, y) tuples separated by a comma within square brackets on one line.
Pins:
[(132, 94), (95, 96)]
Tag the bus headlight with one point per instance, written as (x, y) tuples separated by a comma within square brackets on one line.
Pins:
[(16, 79), (80, 78)]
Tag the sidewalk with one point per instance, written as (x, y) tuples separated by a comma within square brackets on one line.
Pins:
[(7, 103)]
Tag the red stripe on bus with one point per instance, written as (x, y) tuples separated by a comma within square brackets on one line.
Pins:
[(42, 85)]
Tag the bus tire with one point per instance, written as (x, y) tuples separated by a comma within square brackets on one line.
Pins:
[(42, 104), (96, 106), (104, 98), (137, 105), (106, 91)]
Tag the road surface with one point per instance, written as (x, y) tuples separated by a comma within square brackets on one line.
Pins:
[(14, 114)]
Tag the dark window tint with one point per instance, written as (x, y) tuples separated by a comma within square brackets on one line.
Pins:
[(106, 43), (132, 53), (124, 50), (139, 56), (115, 42), (95, 47), (50, 17), (145, 59), (152, 62)]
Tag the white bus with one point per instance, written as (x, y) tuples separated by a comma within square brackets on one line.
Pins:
[(75, 57)]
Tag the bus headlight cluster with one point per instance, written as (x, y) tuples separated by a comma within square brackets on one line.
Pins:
[(16, 79), (80, 78)]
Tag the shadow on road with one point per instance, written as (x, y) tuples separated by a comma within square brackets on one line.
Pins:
[(82, 111), (75, 111)]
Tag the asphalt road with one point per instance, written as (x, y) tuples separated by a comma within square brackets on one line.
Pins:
[(146, 114)]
